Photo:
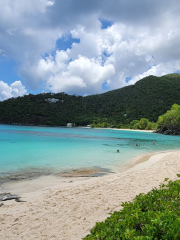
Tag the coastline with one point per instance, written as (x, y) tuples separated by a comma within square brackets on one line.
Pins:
[(124, 129), (135, 130), (32, 125), (59, 208)]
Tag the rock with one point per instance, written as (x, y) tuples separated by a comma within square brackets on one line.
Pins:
[(9, 197), (167, 130), (2, 195)]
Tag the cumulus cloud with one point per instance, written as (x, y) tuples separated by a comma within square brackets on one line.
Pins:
[(158, 70), (82, 75), (13, 90), (143, 39)]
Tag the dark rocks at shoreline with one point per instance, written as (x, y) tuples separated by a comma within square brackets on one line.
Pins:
[(2, 195), (168, 131), (8, 196)]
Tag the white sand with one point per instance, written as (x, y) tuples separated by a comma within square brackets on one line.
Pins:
[(127, 129), (61, 209), (134, 130)]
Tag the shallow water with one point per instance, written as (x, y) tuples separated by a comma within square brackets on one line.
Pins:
[(56, 149)]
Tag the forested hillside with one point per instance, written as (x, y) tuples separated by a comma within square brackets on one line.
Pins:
[(169, 123), (148, 98)]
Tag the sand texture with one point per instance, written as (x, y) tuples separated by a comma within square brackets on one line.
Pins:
[(67, 210)]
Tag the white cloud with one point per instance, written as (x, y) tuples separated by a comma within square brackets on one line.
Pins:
[(11, 31), (13, 90), (50, 3), (105, 56), (24, 29), (82, 75), (144, 38), (158, 70)]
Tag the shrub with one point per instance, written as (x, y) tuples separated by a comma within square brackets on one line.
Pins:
[(133, 123), (143, 123), (155, 215)]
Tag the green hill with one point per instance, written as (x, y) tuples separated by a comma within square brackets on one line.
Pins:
[(149, 98)]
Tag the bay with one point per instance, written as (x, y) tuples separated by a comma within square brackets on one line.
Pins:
[(57, 149)]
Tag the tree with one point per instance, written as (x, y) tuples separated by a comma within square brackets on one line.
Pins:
[(134, 124), (143, 123), (169, 123)]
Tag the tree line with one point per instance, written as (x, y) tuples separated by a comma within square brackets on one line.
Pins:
[(148, 99)]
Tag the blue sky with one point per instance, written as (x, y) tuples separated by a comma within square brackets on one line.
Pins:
[(8, 70), (85, 47)]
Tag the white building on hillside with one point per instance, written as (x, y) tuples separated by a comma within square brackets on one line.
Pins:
[(53, 100)]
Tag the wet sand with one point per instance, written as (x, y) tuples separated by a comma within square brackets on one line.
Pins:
[(66, 208)]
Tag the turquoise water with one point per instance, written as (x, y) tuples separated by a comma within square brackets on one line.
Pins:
[(23, 147)]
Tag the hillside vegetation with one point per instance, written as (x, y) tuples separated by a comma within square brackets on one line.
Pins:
[(169, 123), (148, 98)]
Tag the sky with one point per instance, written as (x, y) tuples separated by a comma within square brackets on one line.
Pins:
[(85, 47)]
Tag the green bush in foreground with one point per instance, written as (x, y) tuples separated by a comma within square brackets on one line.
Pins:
[(155, 215)]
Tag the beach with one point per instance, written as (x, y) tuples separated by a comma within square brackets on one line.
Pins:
[(67, 208)]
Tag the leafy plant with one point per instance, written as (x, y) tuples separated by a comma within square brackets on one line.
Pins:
[(143, 124), (169, 123), (155, 215)]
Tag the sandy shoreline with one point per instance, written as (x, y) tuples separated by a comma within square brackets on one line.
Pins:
[(133, 130), (66, 209), (126, 129)]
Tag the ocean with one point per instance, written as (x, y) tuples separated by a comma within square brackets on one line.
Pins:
[(58, 149)]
